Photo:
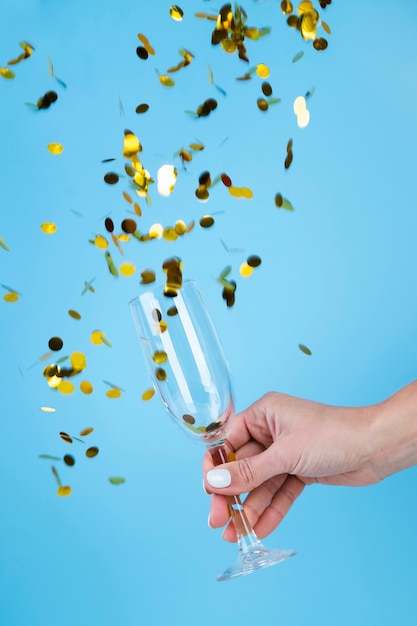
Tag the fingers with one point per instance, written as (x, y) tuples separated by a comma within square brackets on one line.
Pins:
[(265, 507), (246, 473), (279, 506)]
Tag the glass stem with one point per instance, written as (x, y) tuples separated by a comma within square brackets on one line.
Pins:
[(246, 536)]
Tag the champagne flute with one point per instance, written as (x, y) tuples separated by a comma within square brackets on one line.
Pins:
[(189, 369)]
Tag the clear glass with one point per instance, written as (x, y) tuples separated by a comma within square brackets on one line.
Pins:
[(188, 367)]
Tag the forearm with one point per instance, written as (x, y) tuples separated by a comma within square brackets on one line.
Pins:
[(394, 432)]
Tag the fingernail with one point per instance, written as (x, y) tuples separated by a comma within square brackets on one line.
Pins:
[(204, 488), (209, 523), (219, 478)]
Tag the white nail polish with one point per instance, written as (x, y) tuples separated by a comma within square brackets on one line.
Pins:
[(219, 478), (209, 523), (204, 488)]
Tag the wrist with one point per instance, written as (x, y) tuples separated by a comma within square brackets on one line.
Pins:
[(393, 433)]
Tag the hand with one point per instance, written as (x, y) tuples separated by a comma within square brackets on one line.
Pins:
[(282, 444)]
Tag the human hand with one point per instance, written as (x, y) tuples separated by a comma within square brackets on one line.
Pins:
[(282, 444)]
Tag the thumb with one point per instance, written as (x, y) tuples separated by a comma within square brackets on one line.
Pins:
[(244, 475)]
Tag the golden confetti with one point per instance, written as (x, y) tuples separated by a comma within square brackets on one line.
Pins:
[(64, 490), (304, 349), (86, 431), (91, 452), (65, 387), (74, 314), (146, 44), (148, 394), (69, 460), (47, 409), (176, 13), (49, 228), (159, 356), (127, 269), (12, 296), (65, 437), (55, 148), (78, 361), (6, 73), (113, 393), (262, 70), (245, 270), (86, 387)]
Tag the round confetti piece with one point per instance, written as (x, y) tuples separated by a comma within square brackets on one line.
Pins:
[(91, 452), (78, 361), (160, 374), (166, 81), (278, 200), (127, 269), (299, 104), (129, 226), (234, 191), (262, 104), (12, 296), (254, 260), (47, 409), (96, 337), (55, 343), (156, 231), (74, 314), (148, 276), (55, 148), (189, 419), (245, 192), (304, 349), (245, 270), (111, 178), (180, 227), (86, 387), (117, 480), (206, 221), (142, 108), (176, 13), (172, 311), (86, 431), (266, 89), (69, 460), (64, 490), (303, 118), (65, 387), (49, 228), (170, 234), (159, 356), (226, 180), (108, 223), (142, 53), (262, 70), (101, 242), (326, 27), (113, 393), (286, 7), (320, 43), (148, 394), (66, 437), (6, 72)]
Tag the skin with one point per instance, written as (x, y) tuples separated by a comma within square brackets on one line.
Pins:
[(283, 444)]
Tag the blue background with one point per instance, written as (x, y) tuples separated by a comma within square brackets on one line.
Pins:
[(337, 274)]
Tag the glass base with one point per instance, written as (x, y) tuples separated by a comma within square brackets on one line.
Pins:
[(255, 558)]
